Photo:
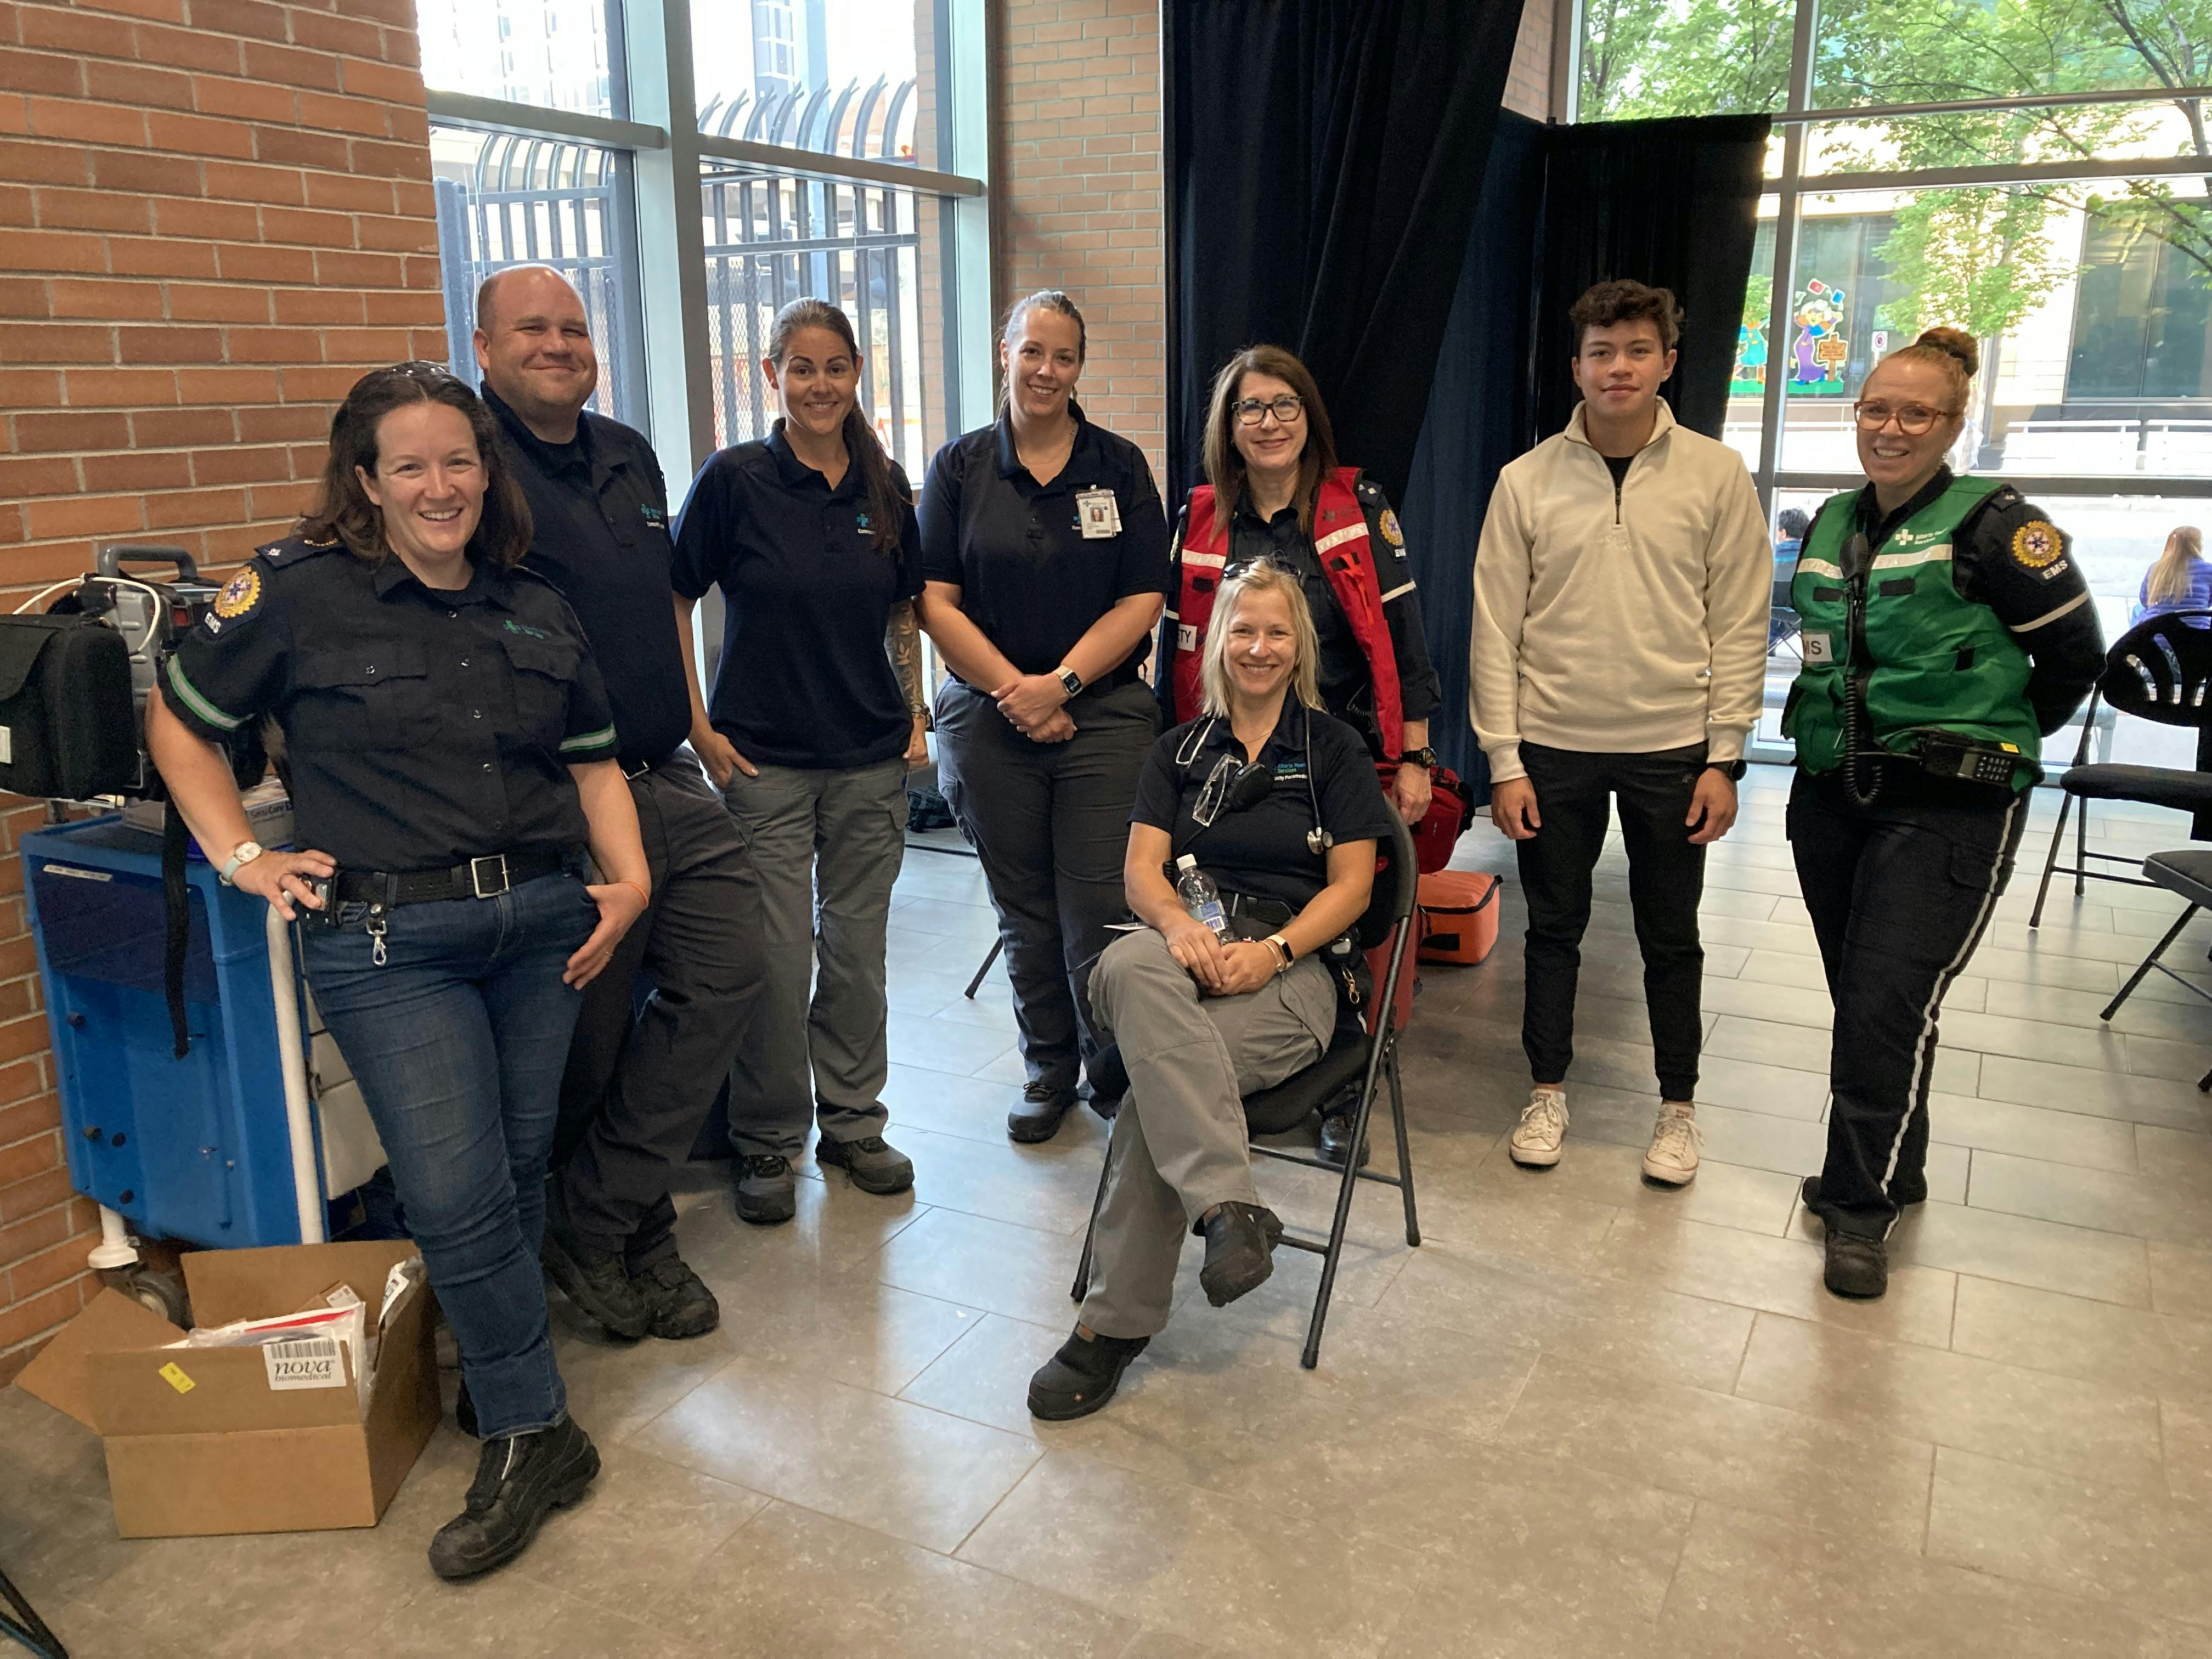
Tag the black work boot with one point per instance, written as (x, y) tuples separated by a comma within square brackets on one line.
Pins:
[(1336, 1138), (875, 1165), (596, 1281), (767, 1190), (518, 1478), (679, 1303), (1083, 1376), (1856, 1267), (1038, 1117), (1240, 1244)]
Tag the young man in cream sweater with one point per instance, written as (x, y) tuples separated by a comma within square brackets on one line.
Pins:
[(1618, 654)]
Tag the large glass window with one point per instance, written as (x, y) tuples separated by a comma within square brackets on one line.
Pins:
[(2072, 238), (557, 54), (846, 79), (506, 198)]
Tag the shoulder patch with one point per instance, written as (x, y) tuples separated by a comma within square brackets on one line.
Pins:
[(2037, 544), (239, 595), (1391, 533)]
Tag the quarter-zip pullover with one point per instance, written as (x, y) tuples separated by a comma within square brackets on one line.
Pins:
[(1621, 618)]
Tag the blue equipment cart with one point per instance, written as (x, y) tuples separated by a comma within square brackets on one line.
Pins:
[(221, 1148)]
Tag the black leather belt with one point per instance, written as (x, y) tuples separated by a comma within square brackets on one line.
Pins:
[(1272, 913), (479, 879), (635, 769)]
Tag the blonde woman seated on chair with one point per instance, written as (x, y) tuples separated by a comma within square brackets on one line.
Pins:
[(1278, 802)]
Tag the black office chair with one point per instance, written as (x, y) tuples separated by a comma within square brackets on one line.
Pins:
[(1354, 1061), (20, 1621), (2159, 669), (2189, 873)]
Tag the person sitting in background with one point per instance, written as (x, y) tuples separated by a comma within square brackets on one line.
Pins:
[(2179, 580), (1277, 801)]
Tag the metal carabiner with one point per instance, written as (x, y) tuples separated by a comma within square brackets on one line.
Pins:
[(376, 934)]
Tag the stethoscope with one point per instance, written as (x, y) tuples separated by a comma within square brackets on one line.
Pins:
[(1236, 787)]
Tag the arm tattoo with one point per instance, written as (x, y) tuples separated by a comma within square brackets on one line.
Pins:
[(902, 641)]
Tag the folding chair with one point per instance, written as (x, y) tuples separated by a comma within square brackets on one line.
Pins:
[(2189, 873), (1355, 1060), (2159, 669)]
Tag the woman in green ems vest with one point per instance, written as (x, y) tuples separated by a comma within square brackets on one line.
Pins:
[(1948, 630)]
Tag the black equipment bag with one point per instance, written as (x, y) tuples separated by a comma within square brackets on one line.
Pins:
[(68, 726)]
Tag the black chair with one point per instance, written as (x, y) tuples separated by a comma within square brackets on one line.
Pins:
[(1354, 1062), (2189, 873), (20, 1620), (2159, 669)]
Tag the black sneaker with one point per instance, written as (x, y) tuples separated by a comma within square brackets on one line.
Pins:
[(598, 1282), (1240, 1243), (874, 1164), (679, 1302), (768, 1191), (1038, 1117), (1336, 1139), (1083, 1376), (518, 1478), (1856, 1267)]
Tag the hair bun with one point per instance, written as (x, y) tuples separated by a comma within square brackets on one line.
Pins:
[(1955, 342)]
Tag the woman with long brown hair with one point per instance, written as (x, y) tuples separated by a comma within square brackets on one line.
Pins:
[(1274, 493), (2179, 580), (450, 756), (809, 535)]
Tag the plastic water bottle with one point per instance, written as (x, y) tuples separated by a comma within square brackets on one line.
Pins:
[(1199, 895)]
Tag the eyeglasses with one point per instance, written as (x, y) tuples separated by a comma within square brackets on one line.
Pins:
[(1286, 410), (1913, 420), (431, 374), (1231, 788)]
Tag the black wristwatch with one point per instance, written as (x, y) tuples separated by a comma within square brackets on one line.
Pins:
[(1735, 768), (1422, 757)]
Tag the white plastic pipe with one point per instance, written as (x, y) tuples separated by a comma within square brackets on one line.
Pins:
[(291, 1051), (115, 1249)]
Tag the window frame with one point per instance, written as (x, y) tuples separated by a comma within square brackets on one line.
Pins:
[(670, 162)]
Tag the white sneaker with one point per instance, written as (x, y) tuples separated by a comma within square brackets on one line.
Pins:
[(1543, 1126), (1675, 1145)]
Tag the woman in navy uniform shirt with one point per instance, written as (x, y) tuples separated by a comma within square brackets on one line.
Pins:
[(1044, 549), (1202, 1022), (810, 536), (450, 754)]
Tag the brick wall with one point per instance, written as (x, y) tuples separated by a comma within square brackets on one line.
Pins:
[(1075, 96), (216, 213), (1529, 85)]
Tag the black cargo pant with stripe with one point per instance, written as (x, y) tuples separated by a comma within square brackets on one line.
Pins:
[(1899, 893)]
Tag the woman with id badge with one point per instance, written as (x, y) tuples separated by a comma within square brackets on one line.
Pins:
[(1044, 558), (1275, 804), (1274, 490), (450, 754), (1947, 632)]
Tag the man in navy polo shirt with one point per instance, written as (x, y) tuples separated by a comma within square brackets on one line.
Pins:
[(636, 1089)]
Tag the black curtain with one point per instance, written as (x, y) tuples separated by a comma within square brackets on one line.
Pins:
[(1672, 203), (1480, 414), (1323, 161)]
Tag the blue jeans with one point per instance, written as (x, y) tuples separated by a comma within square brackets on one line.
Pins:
[(458, 1042)]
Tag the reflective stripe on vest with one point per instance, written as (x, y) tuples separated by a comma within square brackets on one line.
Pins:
[(1347, 561), (1932, 657)]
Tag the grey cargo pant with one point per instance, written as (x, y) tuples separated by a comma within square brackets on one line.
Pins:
[(1179, 1142)]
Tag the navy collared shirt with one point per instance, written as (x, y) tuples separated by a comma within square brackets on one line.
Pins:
[(805, 679), (1262, 851), (422, 728), (1027, 574), (600, 509)]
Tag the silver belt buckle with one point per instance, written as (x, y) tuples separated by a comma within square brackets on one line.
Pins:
[(632, 774), (477, 876)]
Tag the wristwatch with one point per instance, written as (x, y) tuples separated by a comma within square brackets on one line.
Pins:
[(1070, 681), (1422, 757), (1735, 770), (1281, 947), (245, 853)]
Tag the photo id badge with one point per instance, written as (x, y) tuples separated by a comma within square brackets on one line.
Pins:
[(1819, 648), (1098, 514)]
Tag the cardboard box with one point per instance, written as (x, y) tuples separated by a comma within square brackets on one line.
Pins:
[(197, 1440)]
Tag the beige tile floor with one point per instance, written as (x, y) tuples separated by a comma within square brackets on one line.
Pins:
[(1585, 1417)]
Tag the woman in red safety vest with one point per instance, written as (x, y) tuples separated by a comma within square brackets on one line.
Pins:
[(1274, 493)]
